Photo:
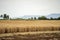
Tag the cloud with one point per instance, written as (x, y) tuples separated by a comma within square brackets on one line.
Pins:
[(29, 7)]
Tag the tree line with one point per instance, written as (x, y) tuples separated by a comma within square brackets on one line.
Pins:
[(44, 18), (5, 16)]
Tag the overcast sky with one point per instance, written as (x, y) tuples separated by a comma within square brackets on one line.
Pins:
[(16, 8)]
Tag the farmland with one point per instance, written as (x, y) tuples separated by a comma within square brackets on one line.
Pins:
[(30, 26), (11, 26)]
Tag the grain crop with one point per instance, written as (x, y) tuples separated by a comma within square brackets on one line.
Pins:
[(13, 26)]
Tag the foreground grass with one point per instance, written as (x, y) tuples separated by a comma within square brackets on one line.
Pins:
[(26, 33), (29, 29), (43, 35), (13, 26)]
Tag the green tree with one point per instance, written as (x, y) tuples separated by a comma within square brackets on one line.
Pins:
[(1, 16), (39, 18), (43, 18), (55, 18), (34, 18), (51, 18), (31, 18), (6, 16), (58, 18)]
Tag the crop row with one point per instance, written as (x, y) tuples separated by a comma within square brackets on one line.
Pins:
[(27, 29)]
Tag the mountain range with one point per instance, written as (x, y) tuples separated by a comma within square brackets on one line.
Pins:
[(48, 16), (53, 16)]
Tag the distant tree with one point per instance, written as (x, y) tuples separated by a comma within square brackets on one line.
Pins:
[(51, 18), (43, 17), (55, 18), (1, 15), (58, 18), (39, 18), (5, 16), (31, 18), (34, 18)]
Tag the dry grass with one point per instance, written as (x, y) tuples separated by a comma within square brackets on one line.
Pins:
[(11, 26)]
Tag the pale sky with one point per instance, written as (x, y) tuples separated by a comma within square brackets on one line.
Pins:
[(16, 8)]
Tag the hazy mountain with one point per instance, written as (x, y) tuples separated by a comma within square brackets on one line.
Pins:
[(29, 16), (53, 16), (48, 16)]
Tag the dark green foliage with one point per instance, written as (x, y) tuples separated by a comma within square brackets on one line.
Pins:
[(39, 18), (31, 18), (42, 18), (6, 16), (55, 18), (58, 18), (51, 18), (34, 18), (1, 15)]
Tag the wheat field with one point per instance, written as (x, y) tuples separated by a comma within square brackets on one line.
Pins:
[(13, 26)]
